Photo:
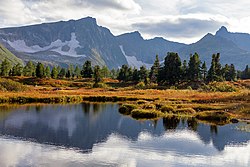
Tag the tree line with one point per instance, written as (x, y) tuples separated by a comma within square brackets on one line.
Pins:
[(174, 71), (171, 72), (39, 70)]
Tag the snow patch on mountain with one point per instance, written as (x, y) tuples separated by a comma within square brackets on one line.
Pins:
[(56, 46), (132, 60)]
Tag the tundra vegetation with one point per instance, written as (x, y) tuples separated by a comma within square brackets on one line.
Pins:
[(218, 94)]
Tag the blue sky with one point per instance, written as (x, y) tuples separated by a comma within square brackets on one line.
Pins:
[(177, 20)]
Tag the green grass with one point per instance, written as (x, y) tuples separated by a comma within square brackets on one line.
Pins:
[(6, 54)]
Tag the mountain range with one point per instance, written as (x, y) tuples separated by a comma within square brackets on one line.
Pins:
[(75, 41)]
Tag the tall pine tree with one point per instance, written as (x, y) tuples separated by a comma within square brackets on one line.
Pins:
[(154, 72), (40, 70), (194, 71), (87, 70), (172, 68)]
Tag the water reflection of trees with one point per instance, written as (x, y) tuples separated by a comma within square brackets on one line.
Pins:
[(171, 123), (214, 129), (192, 124), (92, 107)]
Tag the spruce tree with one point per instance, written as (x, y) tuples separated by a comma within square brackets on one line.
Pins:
[(226, 73), (47, 72), (62, 73), (246, 73), (184, 70), (123, 73), (194, 71), (5, 68), (87, 70), (215, 72), (54, 73), (172, 68), (29, 69), (113, 74), (143, 74), (97, 74), (39, 70), (154, 72), (136, 76), (204, 71), (77, 72), (232, 73), (17, 70), (105, 72)]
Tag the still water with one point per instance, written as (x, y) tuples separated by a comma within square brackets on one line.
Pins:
[(91, 134)]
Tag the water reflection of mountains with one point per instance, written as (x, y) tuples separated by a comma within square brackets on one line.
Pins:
[(83, 125)]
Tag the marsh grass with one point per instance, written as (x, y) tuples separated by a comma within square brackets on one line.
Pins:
[(145, 114), (214, 116), (126, 109)]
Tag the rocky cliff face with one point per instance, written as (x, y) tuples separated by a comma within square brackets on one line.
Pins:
[(242, 40), (63, 43), (230, 53), (75, 41)]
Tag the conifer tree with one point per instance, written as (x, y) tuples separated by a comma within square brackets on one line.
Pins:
[(47, 72), (123, 73), (215, 71), (17, 70), (184, 70), (77, 72), (54, 73), (143, 74), (105, 72), (87, 70), (29, 69), (62, 73), (154, 72), (97, 74), (172, 68), (232, 73), (5, 68), (204, 71), (194, 71), (113, 73), (40, 70), (246, 73), (136, 76), (225, 72)]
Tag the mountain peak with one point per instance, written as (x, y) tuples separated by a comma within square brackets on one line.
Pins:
[(88, 19), (134, 35), (222, 30)]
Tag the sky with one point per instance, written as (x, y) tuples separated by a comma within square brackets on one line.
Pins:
[(177, 20)]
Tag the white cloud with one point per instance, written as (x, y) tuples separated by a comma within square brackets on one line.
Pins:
[(121, 16), (170, 149)]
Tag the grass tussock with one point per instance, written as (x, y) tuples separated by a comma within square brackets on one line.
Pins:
[(126, 109), (145, 114), (167, 109), (214, 116)]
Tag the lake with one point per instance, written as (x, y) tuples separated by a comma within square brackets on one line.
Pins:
[(96, 134)]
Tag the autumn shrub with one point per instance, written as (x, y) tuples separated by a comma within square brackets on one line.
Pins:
[(219, 87), (9, 85)]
